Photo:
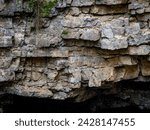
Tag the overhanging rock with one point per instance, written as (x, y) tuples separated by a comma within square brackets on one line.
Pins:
[(82, 45)]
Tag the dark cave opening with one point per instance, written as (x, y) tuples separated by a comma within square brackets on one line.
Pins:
[(41, 105), (130, 97)]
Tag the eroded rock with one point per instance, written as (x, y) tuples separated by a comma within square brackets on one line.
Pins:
[(81, 45)]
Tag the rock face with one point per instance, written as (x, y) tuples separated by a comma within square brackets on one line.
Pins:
[(82, 45)]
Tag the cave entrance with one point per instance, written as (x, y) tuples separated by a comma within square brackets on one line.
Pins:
[(129, 96)]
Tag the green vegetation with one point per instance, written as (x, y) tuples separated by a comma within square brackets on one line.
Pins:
[(41, 7), (65, 32)]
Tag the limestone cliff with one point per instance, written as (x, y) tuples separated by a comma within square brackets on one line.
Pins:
[(81, 47)]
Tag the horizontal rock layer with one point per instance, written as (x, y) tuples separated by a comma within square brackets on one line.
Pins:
[(81, 44)]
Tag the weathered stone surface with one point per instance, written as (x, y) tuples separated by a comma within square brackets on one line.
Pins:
[(2, 5), (114, 44), (5, 62), (6, 23), (134, 28), (83, 34), (145, 68), (71, 34), (139, 39), (82, 2), (103, 10), (80, 45), (100, 75), (126, 73), (6, 75), (80, 22), (30, 91), (9, 8), (111, 2), (6, 41), (111, 39), (75, 11), (140, 50), (121, 61), (90, 35)]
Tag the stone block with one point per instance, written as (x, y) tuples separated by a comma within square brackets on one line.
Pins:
[(6, 41), (5, 62), (6, 23), (126, 72), (145, 68), (114, 43), (71, 34), (81, 21), (75, 11), (133, 29), (36, 76), (6, 75), (147, 9), (90, 34), (111, 2), (131, 72), (75, 75), (48, 41), (82, 34), (139, 50), (139, 39), (100, 75), (2, 5), (82, 2), (104, 10)]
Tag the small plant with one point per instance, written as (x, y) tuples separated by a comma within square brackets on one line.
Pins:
[(41, 8), (44, 6), (65, 32)]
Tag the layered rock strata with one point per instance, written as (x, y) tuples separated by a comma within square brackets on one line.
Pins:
[(81, 46)]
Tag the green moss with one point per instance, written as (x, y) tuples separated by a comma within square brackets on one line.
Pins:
[(32, 3), (65, 32), (47, 6)]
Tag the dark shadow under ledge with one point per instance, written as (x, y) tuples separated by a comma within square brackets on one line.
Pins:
[(127, 96)]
